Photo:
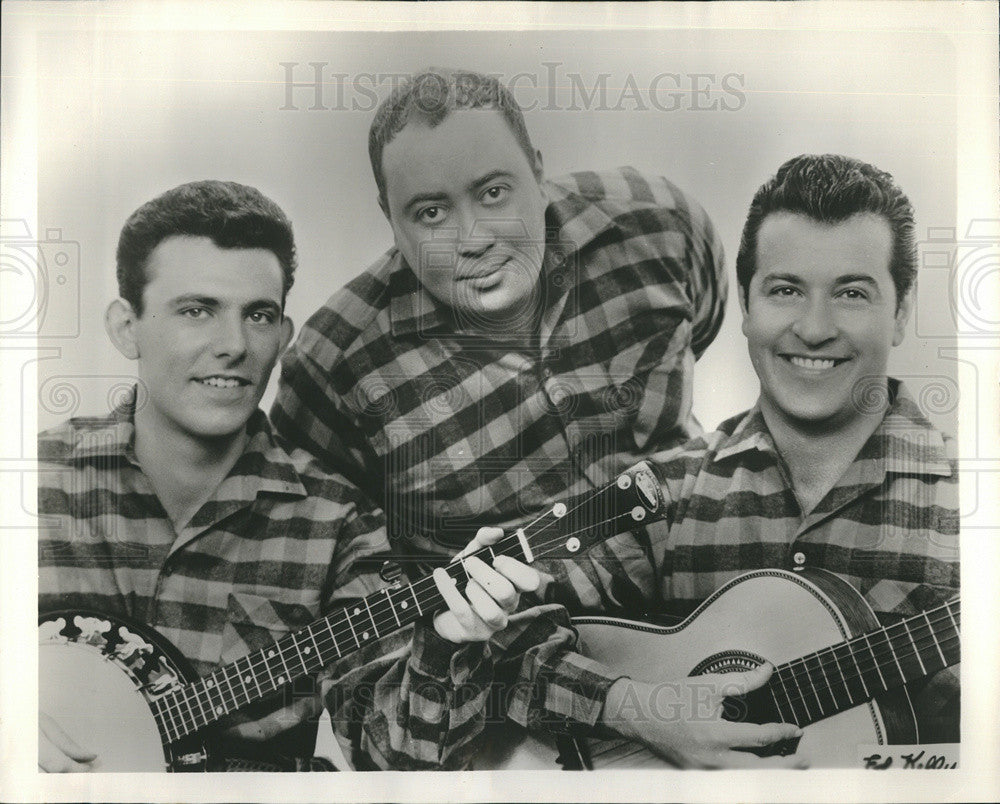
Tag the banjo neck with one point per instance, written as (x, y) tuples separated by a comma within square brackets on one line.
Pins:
[(633, 497)]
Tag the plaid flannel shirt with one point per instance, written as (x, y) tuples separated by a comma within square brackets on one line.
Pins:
[(279, 545), (889, 527), (452, 431)]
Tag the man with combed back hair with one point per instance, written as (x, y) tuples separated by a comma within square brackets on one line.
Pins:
[(181, 511)]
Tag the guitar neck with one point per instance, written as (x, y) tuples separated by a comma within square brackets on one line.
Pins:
[(837, 678), (632, 498)]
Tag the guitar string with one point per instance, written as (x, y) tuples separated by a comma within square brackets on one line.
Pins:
[(872, 658), (181, 699), (805, 700)]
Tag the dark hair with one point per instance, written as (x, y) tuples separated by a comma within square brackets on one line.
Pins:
[(831, 189), (433, 94), (232, 215)]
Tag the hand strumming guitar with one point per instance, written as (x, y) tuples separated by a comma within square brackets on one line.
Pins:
[(685, 726), (491, 595)]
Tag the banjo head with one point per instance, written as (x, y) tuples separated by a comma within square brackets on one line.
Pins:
[(97, 677)]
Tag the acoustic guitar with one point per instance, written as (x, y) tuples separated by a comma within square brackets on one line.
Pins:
[(838, 673), (124, 691)]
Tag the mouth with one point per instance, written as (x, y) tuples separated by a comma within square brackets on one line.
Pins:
[(223, 381), (484, 272), (814, 363)]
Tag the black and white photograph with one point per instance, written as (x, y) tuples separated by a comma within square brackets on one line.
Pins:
[(598, 400)]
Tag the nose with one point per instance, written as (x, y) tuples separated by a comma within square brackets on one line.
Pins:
[(815, 323), (230, 337), (475, 235)]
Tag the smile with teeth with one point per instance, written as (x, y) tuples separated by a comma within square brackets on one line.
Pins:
[(813, 362), (222, 382)]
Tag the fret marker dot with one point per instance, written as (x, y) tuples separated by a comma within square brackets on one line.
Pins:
[(403, 604), (248, 679), (218, 710), (364, 635), (210, 683), (281, 679), (307, 649), (270, 653), (357, 611)]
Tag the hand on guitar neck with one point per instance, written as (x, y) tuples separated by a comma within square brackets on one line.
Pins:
[(491, 595), (687, 728)]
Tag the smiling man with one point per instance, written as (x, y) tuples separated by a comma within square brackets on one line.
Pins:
[(835, 467), (523, 341), (180, 511)]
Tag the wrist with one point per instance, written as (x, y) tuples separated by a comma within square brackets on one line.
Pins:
[(623, 707)]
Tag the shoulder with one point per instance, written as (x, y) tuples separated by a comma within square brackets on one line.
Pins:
[(352, 310), (61, 443), (626, 189)]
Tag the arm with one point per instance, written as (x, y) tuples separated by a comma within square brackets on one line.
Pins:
[(306, 414), (416, 699)]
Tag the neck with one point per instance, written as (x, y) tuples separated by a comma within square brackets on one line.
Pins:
[(185, 470), (817, 454)]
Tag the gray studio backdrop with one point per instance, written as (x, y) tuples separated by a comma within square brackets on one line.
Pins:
[(123, 117)]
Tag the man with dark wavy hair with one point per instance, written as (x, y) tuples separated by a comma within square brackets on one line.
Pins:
[(834, 468), (181, 511)]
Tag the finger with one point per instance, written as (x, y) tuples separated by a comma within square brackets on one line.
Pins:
[(495, 584), (741, 759), (453, 599), (742, 683), (752, 735), (52, 760), (485, 607), (59, 739), (484, 537), (525, 578)]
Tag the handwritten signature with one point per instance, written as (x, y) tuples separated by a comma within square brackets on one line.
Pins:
[(933, 762)]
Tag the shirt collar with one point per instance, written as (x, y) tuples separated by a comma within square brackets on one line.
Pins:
[(264, 465), (571, 222), (905, 442)]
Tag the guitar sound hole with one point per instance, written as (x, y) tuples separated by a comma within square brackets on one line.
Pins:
[(756, 706)]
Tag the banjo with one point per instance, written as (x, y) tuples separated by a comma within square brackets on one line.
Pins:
[(122, 689)]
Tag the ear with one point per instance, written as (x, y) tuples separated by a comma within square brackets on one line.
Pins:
[(538, 168), (903, 315), (120, 324), (287, 331), (743, 306)]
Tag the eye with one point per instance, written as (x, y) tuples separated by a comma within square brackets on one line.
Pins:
[(431, 215), (496, 194), (854, 294), (194, 312), (262, 317), (783, 291)]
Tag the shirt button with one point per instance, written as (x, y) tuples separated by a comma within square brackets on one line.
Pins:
[(547, 373), (799, 559)]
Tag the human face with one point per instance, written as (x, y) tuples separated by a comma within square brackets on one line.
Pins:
[(821, 317), (208, 338), (468, 213)]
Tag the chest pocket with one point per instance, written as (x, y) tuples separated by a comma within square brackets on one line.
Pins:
[(254, 622)]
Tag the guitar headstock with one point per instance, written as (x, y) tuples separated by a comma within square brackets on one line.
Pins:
[(634, 499)]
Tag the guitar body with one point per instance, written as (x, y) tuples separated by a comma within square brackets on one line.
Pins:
[(769, 615), (99, 675)]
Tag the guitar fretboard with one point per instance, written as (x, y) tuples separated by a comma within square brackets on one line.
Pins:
[(837, 678), (258, 674)]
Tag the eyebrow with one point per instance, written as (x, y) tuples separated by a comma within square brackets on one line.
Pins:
[(210, 301), (840, 280), (474, 185)]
